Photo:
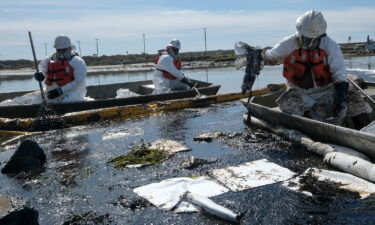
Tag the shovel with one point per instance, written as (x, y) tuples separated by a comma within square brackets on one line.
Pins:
[(47, 118), (361, 90), (37, 69)]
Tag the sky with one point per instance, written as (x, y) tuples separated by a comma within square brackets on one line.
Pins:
[(119, 24)]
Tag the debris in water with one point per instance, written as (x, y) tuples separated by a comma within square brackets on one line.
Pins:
[(47, 119), (208, 137), (132, 203), (115, 135), (142, 154), (28, 156), (192, 162), (169, 146), (326, 183), (88, 218), (14, 210)]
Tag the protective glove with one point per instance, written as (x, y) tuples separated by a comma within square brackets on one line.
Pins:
[(39, 76), (341, 106), (340, 110), (54, 93), (188, 81)]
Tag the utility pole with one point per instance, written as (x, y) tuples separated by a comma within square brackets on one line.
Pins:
[(45, 48), (97, 47), (144, 43), (79, 47), (205, 40)]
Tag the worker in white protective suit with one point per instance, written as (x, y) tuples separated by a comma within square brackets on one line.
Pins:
[(63, 73), (316, 76), (168, 76)]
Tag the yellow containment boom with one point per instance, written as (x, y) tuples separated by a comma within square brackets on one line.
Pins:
[(132, 111)]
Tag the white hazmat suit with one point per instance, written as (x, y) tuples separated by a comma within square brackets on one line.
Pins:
[(74, 90), (321, 95), (163, 84), (320, 101), (311, 96)]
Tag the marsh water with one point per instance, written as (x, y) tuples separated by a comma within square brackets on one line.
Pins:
[(77, 178), (229, 78)]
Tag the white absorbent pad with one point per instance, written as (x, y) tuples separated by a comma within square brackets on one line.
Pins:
[(168, 194), (251, 174)]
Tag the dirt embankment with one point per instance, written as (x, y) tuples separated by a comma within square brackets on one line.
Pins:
[(23, 69), (129, 59)]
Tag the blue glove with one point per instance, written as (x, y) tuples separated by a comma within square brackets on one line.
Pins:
[(54, 93), (39, 76)]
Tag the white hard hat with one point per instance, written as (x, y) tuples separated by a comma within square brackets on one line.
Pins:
[(175, 43), (62, 41), (312, 24)]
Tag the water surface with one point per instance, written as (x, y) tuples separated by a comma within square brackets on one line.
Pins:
[(229, 78), (77, 178)]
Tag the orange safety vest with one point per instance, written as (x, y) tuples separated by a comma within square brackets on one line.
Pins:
[(177, 63), (297, 62), (60, 72)]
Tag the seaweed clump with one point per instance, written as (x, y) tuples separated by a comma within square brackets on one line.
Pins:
[(140, 155)]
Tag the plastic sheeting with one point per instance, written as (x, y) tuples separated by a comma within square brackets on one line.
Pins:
[(27, 99), (31, 98), (125, 93)]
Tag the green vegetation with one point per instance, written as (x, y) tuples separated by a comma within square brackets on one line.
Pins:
[(16, 64), (140, 155)]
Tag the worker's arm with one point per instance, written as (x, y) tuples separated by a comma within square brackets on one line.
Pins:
[(335, 60), (338, 72), (43, 65), (276, 55)]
